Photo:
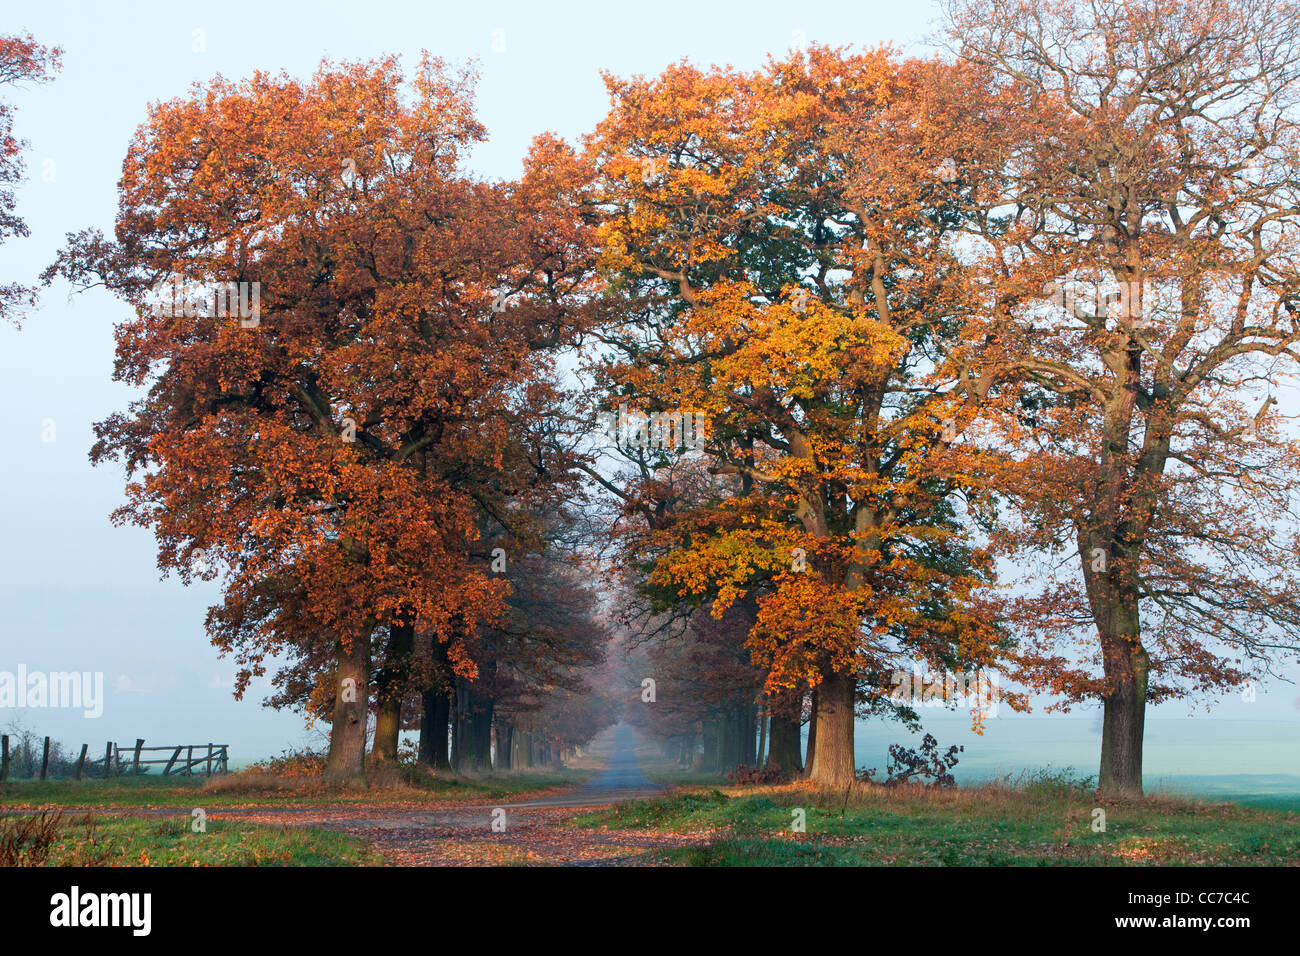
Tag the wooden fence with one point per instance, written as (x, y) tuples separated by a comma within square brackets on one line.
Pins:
[(117, 761)]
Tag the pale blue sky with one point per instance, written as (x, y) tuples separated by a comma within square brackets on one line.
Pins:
[(80, 594)]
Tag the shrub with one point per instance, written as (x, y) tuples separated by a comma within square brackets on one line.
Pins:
[(25, 840), (1051, 782), (301, 763), (925, 764), (288, 771), (26, 748), (750, 776)]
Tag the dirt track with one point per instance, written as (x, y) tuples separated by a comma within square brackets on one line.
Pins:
[(529, 832), (532, 831)]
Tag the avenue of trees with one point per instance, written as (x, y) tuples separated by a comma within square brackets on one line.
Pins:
[(988, 348)]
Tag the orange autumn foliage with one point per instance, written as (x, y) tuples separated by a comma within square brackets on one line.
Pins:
[(782, 242), (22, 60), (331, 460), (1140, 314)]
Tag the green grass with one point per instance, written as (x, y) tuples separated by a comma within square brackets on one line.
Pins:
[(251, 788), (89, 840), (1044, 820)]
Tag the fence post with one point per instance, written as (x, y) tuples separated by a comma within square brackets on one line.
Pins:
[(170, 763), (81, 761), (209, 758), (225, 758), (108, 758), (45, 759), (139, 742), (4, 757), (189, 761)]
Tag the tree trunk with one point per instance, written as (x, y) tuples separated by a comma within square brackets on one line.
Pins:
[(473, 728), (481, 729), (505, 744), (454, 729), (783, 748), (832, 761), (346, 762), (812, 734), (1113, 597), (1123, 715), (433, 728), (762, 738), (390, 688), (747, 717), (728, 742), (709, 758), (436, 709), (462, 752)]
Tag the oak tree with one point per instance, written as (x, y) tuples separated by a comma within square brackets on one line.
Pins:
[(1140, 235), (781, 243)]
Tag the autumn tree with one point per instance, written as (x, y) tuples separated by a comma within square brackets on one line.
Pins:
[(643, 484), (329, 444), (566, 718), (712, 685), (706, 689), (1141, 317), (781, 241), (22, 60), (548, 642), (526, 505)]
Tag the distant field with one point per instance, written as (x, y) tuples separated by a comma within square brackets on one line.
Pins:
[(1253, 762), (1272, 791)]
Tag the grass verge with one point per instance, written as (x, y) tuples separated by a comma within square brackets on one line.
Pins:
[(52, 839), (1039, 821)]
